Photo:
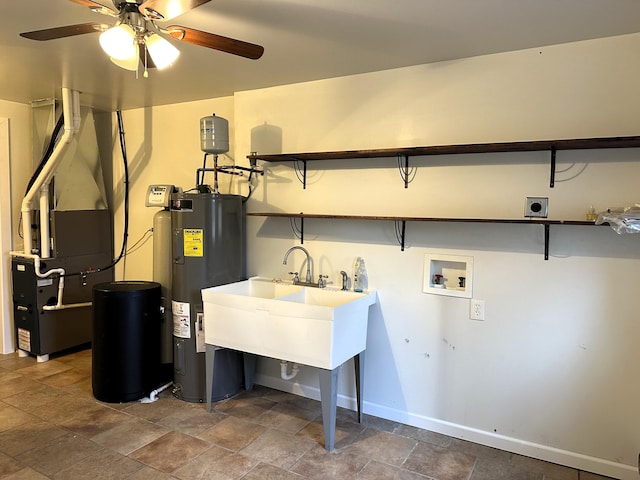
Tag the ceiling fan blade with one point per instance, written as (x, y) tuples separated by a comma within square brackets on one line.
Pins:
[(66, 31), (216, 42), (96, 7), (164, 10)]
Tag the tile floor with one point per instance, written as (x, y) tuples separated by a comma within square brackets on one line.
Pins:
[(51, 427)]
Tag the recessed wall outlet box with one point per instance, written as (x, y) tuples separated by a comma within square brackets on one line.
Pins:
[(536, 207), (450, 275)]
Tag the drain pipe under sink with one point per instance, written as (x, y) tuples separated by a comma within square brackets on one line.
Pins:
[(284, 369)]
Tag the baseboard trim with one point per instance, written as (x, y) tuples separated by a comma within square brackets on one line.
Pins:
[(542, 452)]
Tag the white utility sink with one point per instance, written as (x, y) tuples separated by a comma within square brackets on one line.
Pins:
[(320, 327)]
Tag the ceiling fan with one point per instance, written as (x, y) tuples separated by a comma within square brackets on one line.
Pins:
[(136, 36)]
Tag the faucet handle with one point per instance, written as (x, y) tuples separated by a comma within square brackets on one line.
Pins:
[(296, 278), (322, 281)]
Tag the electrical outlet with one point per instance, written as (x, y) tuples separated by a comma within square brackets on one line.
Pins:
[(476, 309), (536, 207)]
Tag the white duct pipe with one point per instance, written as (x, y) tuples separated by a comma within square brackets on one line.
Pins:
[(60, 271), (71, 113), (284, 367), (45, 242)]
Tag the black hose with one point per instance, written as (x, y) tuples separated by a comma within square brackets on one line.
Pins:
[(123, 148), (47, 154), (125, 234)]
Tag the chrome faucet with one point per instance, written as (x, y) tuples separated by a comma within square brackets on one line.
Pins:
[(297, 247), (345, 280)]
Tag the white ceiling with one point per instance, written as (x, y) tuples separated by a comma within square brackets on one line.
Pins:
[(303, 40)]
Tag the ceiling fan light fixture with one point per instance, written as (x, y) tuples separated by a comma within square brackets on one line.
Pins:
[(162, 52), (119, 42), (130, 63)]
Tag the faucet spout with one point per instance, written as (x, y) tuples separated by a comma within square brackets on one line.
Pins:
[(297, 247)]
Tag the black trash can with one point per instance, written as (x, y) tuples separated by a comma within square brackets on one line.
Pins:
[(126, 340)]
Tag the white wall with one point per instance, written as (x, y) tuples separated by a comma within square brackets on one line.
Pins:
[(18, 153), (551, 372)]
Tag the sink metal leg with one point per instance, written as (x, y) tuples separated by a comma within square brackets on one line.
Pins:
[(210, 353), (358, 362), (329, 400), (249, 361)]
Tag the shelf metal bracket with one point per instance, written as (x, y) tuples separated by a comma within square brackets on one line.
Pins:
[(547, 228), (407, 174), (301, 172), (552, 175), (298, 231), (400, 226)]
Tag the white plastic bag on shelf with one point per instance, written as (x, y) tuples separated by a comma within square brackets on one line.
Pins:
[(622, 220)]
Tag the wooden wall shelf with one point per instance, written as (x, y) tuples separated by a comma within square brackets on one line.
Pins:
[(300, 164), (300, 159), (401, 222)]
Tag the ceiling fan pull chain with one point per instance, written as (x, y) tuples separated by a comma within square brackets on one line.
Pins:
[(146, 52)]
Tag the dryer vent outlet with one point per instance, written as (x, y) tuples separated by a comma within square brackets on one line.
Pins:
[(536, 207)]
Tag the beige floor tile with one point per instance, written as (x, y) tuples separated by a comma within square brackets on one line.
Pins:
[(100, 466), (269, 472), (191, 420), (11, 417), (245, 406), (93, 419), (480, 451), (61, 453), (170, 452), (12, 361), (440, 463), (382, 446), (278, 448), (381, 471), (58, 412), (8, 465), (14, 383), (587, 476), (129, 436), (557, 472), (423, 435), (38, 371), (232, 433), (51, 427), (25, 474), (148, 473), (493, 469), (285, 419), (33, 399), (218, 463), (156, 411), (83, 388), (65, 378), (28, 436), (318, 464)]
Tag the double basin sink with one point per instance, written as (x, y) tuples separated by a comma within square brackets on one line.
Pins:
[(320, 327)]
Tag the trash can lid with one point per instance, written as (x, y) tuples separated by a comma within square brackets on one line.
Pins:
[(126, 286)]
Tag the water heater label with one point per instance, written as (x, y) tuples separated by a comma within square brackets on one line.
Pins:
[(193, 241), (181, 319), (200, 345)]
